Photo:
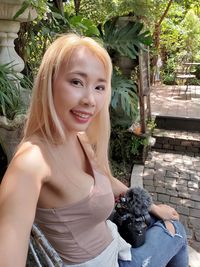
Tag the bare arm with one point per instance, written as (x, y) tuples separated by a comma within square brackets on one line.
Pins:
[(118, 187), (19, 193), (164, 212)]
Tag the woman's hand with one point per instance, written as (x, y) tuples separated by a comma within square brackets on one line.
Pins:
[(164, 212)]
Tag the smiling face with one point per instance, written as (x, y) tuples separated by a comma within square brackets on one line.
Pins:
[(79, 90)]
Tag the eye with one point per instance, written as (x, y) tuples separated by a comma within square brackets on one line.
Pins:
[(100, 87), (76, 82)]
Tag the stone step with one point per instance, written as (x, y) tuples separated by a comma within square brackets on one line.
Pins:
[(177, 123), (137, 180), (194, 258), (182, 141)]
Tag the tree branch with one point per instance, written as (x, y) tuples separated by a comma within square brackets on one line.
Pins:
[(165, 12)]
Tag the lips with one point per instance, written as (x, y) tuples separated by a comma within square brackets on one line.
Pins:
[(81, 116)]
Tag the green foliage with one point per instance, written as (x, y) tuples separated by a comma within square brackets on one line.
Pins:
[(126, 39), (191, 33), (168, 79), (151, 125), (124, 99), (171, 29), (122, 171), (41, 7), (125, 146), (168, 71), (11, 103), (180, 38), (40, 33), (83, 26), (197, 71), (137, 7), (98, 11), (194, 81)]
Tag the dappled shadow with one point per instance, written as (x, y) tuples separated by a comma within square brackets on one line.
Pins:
[(173, 101), (186, 96), (174, 178)]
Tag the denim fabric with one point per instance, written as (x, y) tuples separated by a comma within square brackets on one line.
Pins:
[(161, 248)]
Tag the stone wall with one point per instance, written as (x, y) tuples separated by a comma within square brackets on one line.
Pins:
[(178, 144), (186, 142)]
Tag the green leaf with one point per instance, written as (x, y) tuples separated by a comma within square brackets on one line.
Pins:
[(57, 15), (124, 96), (125, 39), (24, 6)]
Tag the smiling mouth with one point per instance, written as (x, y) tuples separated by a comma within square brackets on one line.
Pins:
[(81, 116)]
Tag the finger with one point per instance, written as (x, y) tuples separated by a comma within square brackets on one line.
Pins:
[(175, 217)]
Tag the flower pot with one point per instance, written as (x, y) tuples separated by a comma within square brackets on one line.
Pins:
[(8, 9), (9, 29)]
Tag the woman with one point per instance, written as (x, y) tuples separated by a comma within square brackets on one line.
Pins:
[(60, 176)]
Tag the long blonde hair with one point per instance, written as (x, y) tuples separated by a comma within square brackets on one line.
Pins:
[(42, 116)]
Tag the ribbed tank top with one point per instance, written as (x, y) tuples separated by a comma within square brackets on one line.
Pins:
[(78, 231)]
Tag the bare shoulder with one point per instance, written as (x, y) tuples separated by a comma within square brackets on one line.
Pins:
[(23, 181), (31, 160)]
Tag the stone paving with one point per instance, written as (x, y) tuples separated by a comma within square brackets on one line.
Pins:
[(174, 179), (172, 173), (173, 101)]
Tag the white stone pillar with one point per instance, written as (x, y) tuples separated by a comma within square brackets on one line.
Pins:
[(9, 29)]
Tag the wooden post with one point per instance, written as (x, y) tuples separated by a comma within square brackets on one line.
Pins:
[(144, 89)]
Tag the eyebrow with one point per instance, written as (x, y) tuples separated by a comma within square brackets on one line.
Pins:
[(84, 75)]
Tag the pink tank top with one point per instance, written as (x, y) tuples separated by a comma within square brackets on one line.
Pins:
[(78, 232)]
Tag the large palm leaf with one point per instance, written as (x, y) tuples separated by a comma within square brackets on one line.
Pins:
[(126, 39), (124, 96)]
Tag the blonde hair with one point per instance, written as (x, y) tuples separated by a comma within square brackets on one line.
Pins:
[(42, 117)]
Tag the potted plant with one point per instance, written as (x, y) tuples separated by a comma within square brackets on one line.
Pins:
[(12, 108), (12, 13)]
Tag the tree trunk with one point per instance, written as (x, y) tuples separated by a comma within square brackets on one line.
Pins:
[(156, 40), (77, 4), (59, 5)]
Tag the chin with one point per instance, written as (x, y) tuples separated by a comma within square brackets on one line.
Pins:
[(77, 129)]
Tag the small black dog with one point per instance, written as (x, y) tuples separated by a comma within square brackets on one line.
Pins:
[(131, 215)]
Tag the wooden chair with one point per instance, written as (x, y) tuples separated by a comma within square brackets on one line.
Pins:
[(41, 252)]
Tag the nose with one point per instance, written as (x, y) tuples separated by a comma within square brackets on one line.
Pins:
[(88, 99)]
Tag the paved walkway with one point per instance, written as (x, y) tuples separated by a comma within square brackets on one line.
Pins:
[(173, 177), (173, 101)]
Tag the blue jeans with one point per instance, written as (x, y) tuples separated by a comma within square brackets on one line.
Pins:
[(161, 248)]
